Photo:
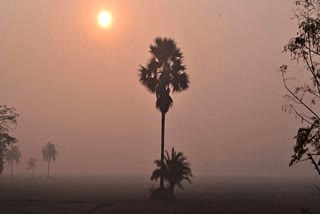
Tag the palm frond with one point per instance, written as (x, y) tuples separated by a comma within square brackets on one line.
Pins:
[(175, 170), (49, 152), (180, 82), (156, 174), (147, 79), (158, 163), (13, 154)]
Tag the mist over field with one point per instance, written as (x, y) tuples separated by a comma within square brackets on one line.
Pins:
[(124, 194), (76, 85)]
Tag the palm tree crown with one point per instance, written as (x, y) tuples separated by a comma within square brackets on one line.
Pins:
[(175, 170), (164, 72), (32, 164), (49, 152), (13, 155)]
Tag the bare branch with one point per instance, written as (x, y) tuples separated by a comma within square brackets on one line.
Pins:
[(302, 116), (297, 98), (314, 163)]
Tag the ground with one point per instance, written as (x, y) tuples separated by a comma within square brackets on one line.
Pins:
[(117, 195)]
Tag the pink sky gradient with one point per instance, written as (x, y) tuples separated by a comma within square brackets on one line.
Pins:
[(76, 84)]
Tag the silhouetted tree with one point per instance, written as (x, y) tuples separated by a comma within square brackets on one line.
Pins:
[(32, 164), (176, 169), (49, 154), (304, 86), (8, 118), (13, 155), (163, 74)]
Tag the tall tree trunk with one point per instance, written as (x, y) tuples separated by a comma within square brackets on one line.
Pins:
[(48, 168), (1, 162), (163, 117), (172, 188), (11, 169)]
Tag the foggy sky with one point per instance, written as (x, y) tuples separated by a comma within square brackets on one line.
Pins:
[(76, 85)]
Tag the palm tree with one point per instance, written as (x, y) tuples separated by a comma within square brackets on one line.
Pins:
[(13, 155), (176, 169), (5, 141), (32, 164), (49, 153), (163, 74)]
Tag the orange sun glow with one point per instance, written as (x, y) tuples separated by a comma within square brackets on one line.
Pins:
[(104, 19)]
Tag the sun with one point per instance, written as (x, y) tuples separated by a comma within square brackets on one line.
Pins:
[(104, 19)]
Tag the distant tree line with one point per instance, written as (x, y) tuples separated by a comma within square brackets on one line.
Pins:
[(13, 155), (9, 151)]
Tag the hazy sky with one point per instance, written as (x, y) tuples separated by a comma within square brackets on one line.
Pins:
[(76, 85)]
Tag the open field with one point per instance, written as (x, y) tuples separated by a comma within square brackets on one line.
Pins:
[(130, 195)]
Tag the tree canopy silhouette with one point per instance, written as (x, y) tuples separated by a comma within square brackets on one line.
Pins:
[(176, 169), (13, 155), (164, 74), (303, 87), (8, 119), (49, 154)]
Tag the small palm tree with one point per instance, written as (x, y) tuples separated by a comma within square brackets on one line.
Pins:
[(13, 155), (32, 164), (176, 169), (164, 74), (49, 153)]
